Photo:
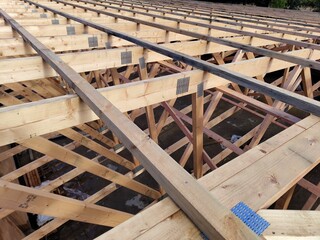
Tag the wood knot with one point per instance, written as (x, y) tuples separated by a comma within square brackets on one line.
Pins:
[(273, 179), (313, 141)]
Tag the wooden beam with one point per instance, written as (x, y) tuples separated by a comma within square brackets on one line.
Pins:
[(284, 201), (314, 189), (259, 105), (24, 199), (9, 230), (18, 221), (161, 14), (54, 150), (75, 136), (57, 222), (143, 74), (147, 92), (209, 111), (174, 114), (37, 163), (307, 82), (291, 224), (197, 126), (95, 134), (205, 15), (59, 117), (8, 153), (112, 58), (211, 134), (288, 84), (226, 152)]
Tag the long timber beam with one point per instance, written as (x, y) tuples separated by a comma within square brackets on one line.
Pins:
[(32, 68), (125, 97), (14, 47), (182, 187), (146, 92), (51, 149), (54, 224), (20, 198)]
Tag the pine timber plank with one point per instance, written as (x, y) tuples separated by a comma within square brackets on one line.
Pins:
[(75, 136), (196, 14), (293, 224), (54, 150), (200, 8), (226, 152), (57, 222), (68, 111), (19, 221), (37, 163), (211, 134), (36, 69), (256, 20), (95, 134), (143, 75), (185, 130), (48, 188), (148, 91), (5, 154), (197, 132), (313, 188), (20, 198), (260, 105), (9, 230)]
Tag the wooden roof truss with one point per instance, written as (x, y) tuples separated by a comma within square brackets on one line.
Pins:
[(86, 70)]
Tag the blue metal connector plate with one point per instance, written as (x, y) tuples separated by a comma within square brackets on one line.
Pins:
[(256, 223)]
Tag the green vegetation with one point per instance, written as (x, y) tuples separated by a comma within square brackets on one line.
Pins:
[(295, 4), (278, 3), (288, 4)]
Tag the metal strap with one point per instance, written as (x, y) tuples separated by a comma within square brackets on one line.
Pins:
[(183, 85)]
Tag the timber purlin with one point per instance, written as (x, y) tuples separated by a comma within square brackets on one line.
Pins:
[(85, 70)]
